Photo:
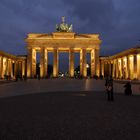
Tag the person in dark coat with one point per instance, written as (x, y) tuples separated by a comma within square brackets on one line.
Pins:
[(106, 81), (109, 89), (128, 90)]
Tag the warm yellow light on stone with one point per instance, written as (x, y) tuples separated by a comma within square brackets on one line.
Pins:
[(131, 67), (124, 59), (87, 65), (130, 57), (92, 61), (138, 66), (4, 66), (71, 63), (63, 42), (55, 63)]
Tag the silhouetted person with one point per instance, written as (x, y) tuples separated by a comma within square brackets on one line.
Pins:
[(106, 81), (128, 90), (16, 77), (109, 89), (24, 77), (38, 77)]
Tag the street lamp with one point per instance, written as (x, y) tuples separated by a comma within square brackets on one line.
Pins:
[(87, 65)]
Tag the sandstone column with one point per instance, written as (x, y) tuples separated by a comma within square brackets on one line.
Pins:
[(92, 61), (34, 63), (113, 71), (117, 69), (1, 67), (55, 63), (7, 66), (102, 68), (15, 68), (10, 68), (83, 63), (97, 61), (122, 68), (109, 68), (135, 66), (138, 66), (71, 63), (23, 69), (46, 64), (43, 63), (128, 67), (20, 68), (31, 63)]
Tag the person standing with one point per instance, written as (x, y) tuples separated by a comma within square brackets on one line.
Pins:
[(109, 89), (106, 81)]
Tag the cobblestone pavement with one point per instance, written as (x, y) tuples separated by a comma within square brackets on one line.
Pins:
[(51, 85), (69, 115), (6, 81)]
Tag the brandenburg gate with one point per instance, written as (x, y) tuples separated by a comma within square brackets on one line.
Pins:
[(62, 40)]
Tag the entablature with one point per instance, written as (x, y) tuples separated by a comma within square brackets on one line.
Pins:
[(62, 36), (65, 42)]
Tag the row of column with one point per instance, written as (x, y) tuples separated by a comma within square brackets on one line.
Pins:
[(11, 68), (31, 62), (127, 67)]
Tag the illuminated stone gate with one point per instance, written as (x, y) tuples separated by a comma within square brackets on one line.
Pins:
[(63, 40)]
